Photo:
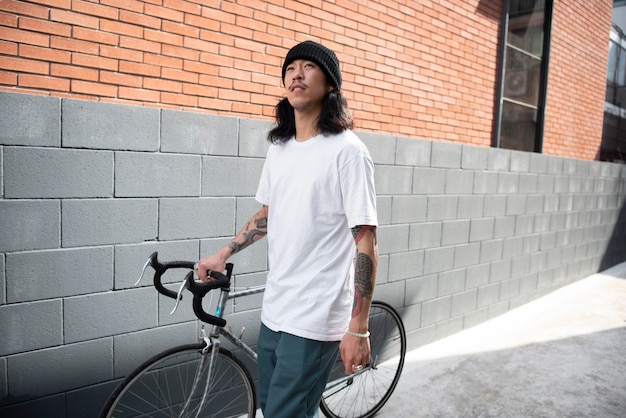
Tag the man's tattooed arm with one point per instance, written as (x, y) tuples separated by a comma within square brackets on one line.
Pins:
[(366, 264), (254, 230)]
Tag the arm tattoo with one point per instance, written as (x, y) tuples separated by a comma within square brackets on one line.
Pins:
[(364, 269), (250, 236)]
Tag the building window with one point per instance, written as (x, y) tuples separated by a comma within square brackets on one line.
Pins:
[(523, 77), (613, 146)]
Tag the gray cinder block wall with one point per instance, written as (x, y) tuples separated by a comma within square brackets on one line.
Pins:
[(90, 189)]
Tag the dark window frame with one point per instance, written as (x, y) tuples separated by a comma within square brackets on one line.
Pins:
[(543, 81)]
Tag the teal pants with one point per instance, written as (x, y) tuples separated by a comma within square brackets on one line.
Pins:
[(292, 373)]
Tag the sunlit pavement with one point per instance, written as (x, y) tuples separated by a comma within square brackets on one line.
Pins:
[(563, 355)]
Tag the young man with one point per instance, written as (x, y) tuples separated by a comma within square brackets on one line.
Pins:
[(318, 209)]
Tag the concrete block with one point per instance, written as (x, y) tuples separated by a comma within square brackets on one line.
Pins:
[(104, 314), (542, 222), (513, 247), (548, 241), (383, 207), (446, 155), (55, 173), (4, 388), (29, 224), (451, 282), (495, 205), (485, 182), (455, 232), (382, 148), (3, 282), (413, 152), (392, 293), (425, 235), (466, 255), (429, 181), (110, 221), (223, 176), (498, 159), (88, 401), (491, 250), (421, 289), (98, 125), (551, 202), (477, 276), (535, 203), (520, 162), (393, 239), (528, 183), (132, 349), (31, 326), (253, 137), (449, 327), (30, 120), (438, 259), (470, 207), (406, 265), (186, 218), (561, 184), (474, 318), (67, 273), (481, 229), (408, 209), (441, 208), (515, 204), (459, 181), (473, 157), (49, 407), (140, 174), (44, 372), (198, 133), (504, 226), (251, 302), (393, 180), (538, 163), (488, 295), (524, 225), (545, 184), (436, 310), (508, 183), (464, 302), (130, 259), (555, 165), (500, 270)]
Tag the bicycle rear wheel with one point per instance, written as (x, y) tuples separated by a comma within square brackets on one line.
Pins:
[(176, 383), (364, 393)]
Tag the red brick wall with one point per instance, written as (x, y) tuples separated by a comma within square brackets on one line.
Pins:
[(410, 68), (577, 79)]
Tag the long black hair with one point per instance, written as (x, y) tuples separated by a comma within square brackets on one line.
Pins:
[(334, 118)]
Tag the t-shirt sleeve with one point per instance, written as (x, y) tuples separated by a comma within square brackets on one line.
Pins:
[(358, 190)]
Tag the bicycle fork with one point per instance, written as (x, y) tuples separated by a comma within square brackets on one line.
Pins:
[(212, 344)]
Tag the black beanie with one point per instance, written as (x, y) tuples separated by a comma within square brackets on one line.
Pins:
[(322, 56)]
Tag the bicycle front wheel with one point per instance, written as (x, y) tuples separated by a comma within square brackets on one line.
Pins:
[(176, 383), (363, 394)]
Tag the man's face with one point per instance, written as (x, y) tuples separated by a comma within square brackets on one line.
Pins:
[(305, 85)]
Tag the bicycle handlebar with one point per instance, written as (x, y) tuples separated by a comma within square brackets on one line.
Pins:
[(199, 289)]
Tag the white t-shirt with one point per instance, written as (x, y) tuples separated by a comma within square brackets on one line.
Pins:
[(316, 191)]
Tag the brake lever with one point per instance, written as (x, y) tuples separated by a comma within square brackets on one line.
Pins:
[(143, 270), (179, 296)]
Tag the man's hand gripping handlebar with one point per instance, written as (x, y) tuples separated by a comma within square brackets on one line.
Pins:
[(199, 289)]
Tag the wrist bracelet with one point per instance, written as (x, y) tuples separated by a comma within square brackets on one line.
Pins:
[(356, 334)]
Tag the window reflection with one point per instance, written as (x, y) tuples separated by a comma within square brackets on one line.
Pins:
[(522, 81)]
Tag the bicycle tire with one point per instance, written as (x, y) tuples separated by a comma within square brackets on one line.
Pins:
[(363, 394), (164, 387)]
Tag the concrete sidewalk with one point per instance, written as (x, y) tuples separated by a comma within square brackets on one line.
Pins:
[(563, 355)]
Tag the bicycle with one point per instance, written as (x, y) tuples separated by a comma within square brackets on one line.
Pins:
[(204, 379)]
